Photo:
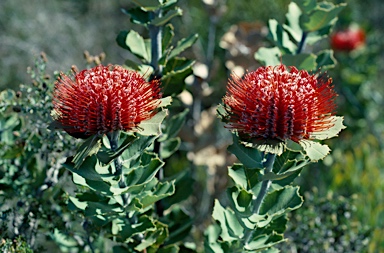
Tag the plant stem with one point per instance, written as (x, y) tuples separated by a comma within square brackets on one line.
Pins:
[(155, 33), (114, 142), (268, 165), (301, 45)]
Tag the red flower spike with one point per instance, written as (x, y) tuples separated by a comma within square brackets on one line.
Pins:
[(104, 99), (274, 104), (348, 40)]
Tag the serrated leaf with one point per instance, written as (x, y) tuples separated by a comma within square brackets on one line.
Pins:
[(161, 21), (250, 157), (301, 61), (264, 241), (281, 37), (106, 156), (325, 60), (240, 200), (293, 20), (280, 201), (246, 178), (169, 147), (231, 229), (331, 132), (89, 147), (315, 36), (314, 150), (166, 101), (268, 56), (144, 224), (161, 191), (323, 15), (148, 5), (137, 45), (211, 236), (138, 15), (174, 124), (306, 5), (152, 126), (168, 34), (182, 45)]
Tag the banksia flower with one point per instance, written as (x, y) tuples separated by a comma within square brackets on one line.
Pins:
[(104, 99), (274, 104)]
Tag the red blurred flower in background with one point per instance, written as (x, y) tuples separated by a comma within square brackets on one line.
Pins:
[(104, 99), (348, 40), (274, 103)]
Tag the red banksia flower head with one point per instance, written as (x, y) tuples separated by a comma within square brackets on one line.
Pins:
[(104, 99), (348, 40), (275, 104)]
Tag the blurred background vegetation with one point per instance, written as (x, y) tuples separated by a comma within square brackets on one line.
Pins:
[(230, 33)]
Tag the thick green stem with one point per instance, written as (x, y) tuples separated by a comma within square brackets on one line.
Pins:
[(155, 33), (114, 142), (268, 165)]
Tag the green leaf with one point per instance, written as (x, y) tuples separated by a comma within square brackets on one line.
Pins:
[(315, 36), (161, 191), (241, 201), (89, 147), (106, 156), (268, 56), (161, 21), (280, 201), (244, 177), (138, 15), (169, 249), (175, 72), (148, 5), (152, 126), (168, 34), (323, 15), (306, 5), (331, 132), (182, 45), (264, 241), (143, 225), (301, 61), (143, 174), (281, 37), (165, 101), (173, 125), (179, 225), (184, 184), (314, 150), (169, 147), (325, 60), (136, 45), (153, 238), (211, 236), (133, 152), (250, 157), (293, 22), (231, 229)]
